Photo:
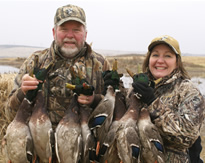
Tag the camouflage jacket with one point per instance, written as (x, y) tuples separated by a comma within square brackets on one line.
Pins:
[(178, 113), (57, 95)]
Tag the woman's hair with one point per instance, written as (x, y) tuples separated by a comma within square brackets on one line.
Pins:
[(179, 68)]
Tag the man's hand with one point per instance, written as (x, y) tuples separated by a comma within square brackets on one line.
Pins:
[(29, 83), (85, 100)]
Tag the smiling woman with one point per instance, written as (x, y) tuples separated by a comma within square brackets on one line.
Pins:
[(162, 61), (175, 104)]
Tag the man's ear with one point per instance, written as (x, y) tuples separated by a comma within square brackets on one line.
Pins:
[(53, 33)]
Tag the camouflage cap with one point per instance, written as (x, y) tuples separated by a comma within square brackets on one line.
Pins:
[(69, 12), (173, 43)]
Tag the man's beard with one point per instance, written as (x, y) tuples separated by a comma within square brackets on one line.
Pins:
[(69, 52)]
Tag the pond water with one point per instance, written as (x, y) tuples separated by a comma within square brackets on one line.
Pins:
[(8, 69)]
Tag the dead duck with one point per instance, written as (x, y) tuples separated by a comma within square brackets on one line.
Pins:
[(152, 143), (128, 141), (41, 130), (68, 138), (19, 143), (89, 142), (108, 150), (101, 118)]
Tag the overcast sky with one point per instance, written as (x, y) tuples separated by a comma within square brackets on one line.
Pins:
[(127, 25)]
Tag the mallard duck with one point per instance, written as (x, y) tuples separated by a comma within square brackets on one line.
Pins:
[(108, 150), (19, 143), (101, 118), (152, 143), (128, 141), (89, 142), (40, 74), (41, 130), (68, 138)]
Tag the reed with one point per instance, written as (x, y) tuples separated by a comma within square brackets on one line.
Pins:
[(6, 85)]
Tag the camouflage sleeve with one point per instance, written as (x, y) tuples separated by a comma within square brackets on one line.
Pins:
[(179, 114), (16, 96)]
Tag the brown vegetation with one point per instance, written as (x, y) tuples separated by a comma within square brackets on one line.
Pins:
[(6, 85), (15, 62)]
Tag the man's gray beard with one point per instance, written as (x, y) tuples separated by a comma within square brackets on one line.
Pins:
[(69, 52)]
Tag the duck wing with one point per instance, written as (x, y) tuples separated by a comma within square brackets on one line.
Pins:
[(101, 118), (41, 130), (108, 150), (128, 140), (68, 137), (152, 143), (19, 143)]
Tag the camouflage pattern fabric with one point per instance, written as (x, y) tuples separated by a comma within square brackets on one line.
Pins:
[(58, 96), (69, 12), (178, 113)]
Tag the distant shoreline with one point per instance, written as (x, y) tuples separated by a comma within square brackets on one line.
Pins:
[(12, 51)]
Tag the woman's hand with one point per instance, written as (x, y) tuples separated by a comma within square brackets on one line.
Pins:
[(143, 88)]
